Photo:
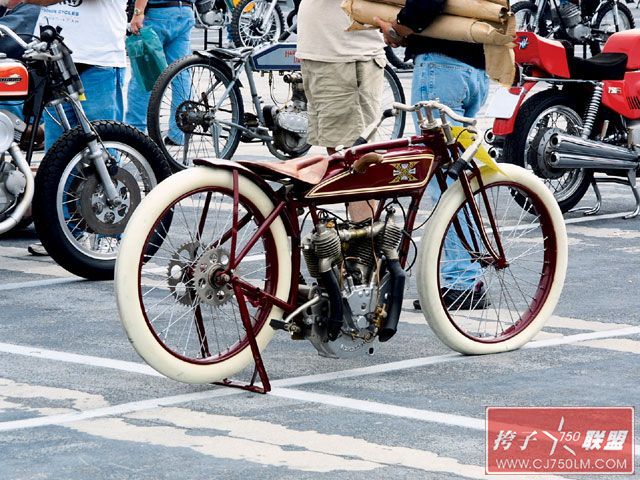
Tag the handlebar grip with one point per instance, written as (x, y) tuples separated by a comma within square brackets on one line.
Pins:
[(456, 169), (361, 164)]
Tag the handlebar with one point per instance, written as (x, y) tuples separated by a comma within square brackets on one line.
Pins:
[(431, 104), (4, 30)]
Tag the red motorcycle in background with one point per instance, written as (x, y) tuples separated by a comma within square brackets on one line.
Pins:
[(210, 264), (585, 120)]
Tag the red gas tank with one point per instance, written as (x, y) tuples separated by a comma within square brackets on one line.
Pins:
[(14, 79), (625, 42)]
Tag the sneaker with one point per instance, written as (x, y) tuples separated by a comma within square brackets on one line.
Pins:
[(472, 299), (37, 250)]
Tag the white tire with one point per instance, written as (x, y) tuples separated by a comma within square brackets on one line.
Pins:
[(128, 268), (428, 277)]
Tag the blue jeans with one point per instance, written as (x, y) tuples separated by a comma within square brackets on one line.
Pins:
[(173, 26), (104, 91), (13, 106), (464, 89)]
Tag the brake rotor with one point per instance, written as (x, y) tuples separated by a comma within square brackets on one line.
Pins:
[(103, 217), (179, 273), (539, 150), (207, 277), (190, 115)]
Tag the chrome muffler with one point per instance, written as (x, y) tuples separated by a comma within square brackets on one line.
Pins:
[(569, 151)]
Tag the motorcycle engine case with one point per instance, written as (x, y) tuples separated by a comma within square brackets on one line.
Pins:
[(7, 132), (12, 185)]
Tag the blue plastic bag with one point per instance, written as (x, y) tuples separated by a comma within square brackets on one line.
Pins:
[(147, 57)]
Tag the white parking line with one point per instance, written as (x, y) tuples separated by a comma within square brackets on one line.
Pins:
[(277, 384), (39, 283)]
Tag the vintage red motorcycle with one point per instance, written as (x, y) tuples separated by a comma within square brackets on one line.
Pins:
[(587, 120), (210, 265)]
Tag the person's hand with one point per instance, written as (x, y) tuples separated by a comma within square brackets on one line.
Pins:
[(136, 24), (394, 34)]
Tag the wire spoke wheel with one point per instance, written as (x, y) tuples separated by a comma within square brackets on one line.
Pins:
[(193, 283), (558, 118), (188, 116), (392, 91), (484, 304), (250, 26)]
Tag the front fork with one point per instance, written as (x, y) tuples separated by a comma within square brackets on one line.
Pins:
[(479, 233), (97, 153)]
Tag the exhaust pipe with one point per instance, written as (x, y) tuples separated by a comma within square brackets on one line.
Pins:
[(569, 151)]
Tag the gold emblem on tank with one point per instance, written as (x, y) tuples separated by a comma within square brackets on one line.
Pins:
[(404, 172)]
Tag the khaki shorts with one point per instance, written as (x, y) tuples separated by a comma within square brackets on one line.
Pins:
[(343, 99)]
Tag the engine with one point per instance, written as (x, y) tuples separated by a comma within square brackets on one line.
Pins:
[(572, 18), (359, 278), (211, 12), (12, 180), (290, 123)]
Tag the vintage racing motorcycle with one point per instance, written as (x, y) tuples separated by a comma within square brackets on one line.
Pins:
[(90, 180), (585, 120), (210, 265), (196, 109)]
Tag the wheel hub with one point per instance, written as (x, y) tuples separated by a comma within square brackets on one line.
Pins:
[(540, 150), (190, 115), (105, 217), (211, 279)]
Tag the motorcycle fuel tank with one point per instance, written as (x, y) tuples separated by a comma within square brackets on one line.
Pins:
[(14, 79), (399, 173), (278, 57)]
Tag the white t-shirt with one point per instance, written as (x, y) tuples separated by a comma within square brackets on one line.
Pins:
[(94, 30), (322, 35)]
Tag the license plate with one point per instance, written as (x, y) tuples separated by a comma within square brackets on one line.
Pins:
[(504, 102)]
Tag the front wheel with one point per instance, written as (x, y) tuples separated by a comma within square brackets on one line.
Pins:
[(606, 24), (250, 27), (392, 92), (75, 222), (474, 304), (182, 304)]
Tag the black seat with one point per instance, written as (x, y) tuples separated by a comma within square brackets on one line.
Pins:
[(603, 66)]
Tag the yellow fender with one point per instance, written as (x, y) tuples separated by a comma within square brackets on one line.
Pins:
[(466, 138)]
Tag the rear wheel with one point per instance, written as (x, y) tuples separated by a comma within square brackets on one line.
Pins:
[(526, 16), (540, 116), (179, 305), (392, 92), (504, 305), (187, 117)]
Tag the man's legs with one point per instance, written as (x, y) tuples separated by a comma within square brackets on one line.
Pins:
[(464, 89)]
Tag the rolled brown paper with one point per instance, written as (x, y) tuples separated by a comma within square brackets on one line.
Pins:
[(500, 63), (479, 9), (445, 27)]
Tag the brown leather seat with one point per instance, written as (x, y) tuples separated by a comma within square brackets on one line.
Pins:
[(309, 170)]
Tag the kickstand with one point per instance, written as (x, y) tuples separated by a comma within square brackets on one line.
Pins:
[(631, 176), (631, 181), (596, 208), (259, 369)]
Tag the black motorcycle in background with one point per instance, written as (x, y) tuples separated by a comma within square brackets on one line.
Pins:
[(92, 178), (581, 22)]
